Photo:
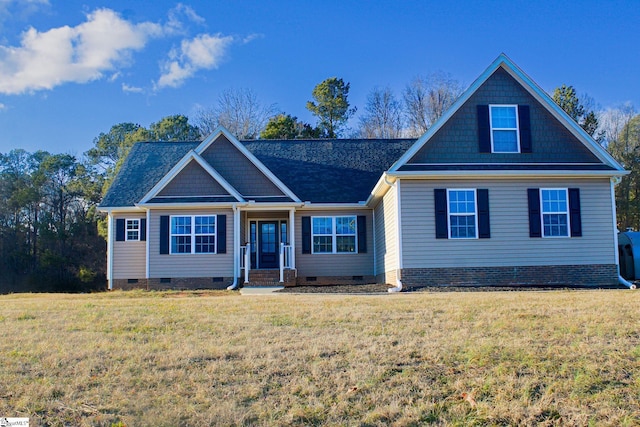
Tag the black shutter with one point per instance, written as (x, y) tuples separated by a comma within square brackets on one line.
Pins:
[(143, 229), (120, 230), (484, 224), (164, 234), (524, 123), (535, 223), (306, 234), (362, 234), (574, 212), (221, 234), (484, 129), (440, 196)]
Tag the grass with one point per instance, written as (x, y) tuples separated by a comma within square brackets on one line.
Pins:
[(215, 358)]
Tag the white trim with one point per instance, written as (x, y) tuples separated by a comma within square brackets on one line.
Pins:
[(496, 173), (399, 227), (373, 233), (110, 243), (292, 237), (236, 242), (567, 212), (121, 209), (516, 129), (184, 162), (193, 234), (508, 164), (530, 86), (279, 220), (147, 246), (475, 213), (334, 206), (334, 235), (614, 213), (220, 130)]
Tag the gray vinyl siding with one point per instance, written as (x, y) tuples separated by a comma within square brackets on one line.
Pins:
[(386, 233), (189, 265), (510, 244), (457, 140), (193, 180), (129, 257), (238, 170), (334, 264)]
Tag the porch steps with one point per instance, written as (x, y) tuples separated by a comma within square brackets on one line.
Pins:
[(264, 278)]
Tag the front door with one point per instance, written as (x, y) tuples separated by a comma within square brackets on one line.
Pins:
[(268, 244)]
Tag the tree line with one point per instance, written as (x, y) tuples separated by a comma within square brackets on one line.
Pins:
[(52, 238)]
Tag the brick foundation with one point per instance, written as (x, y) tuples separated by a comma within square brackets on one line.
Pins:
[(334, 280), (550, 275), (173, 283)]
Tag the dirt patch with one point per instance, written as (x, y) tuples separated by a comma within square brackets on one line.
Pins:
[(383, 289), (373, 288)]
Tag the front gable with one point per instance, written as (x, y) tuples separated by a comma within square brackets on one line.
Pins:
[(549, 138), (193, 181), (242, 170)]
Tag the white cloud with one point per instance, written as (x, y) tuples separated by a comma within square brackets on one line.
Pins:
[(205, 51), (131, 89), (72, 54), (175, 23), (2, 106)]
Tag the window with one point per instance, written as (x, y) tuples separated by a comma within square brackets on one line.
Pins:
[(193, 234), (132, 229), (555, 212), (462, 214), (334, 234), (504, 128)]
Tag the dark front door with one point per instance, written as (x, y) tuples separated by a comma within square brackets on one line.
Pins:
[(268, 244)]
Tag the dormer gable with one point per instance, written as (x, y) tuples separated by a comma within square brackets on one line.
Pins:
[(504, 120)]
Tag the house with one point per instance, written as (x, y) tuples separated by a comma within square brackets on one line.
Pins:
[(505, 189)]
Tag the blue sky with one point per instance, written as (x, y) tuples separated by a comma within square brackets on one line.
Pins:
[(71, 69)]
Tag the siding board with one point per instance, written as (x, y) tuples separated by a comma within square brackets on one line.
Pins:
[(510, 244), (129, 258)]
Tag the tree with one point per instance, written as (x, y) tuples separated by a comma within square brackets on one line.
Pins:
[(427, 98), (383, 115), (581, 112), (285, 126), (239, 111), (331, 106), (174, 128)]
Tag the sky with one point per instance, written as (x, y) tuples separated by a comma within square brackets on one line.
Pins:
[(71, 69)]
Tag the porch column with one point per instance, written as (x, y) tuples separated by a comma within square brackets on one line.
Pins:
[(236, 242), (292, 237), (110, 243)]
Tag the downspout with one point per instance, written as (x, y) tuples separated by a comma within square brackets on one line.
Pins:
[(236, 247), (398, 287), (621, 280)]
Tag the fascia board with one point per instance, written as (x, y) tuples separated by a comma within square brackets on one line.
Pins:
[(221, 130), (120, 209), (502, 174), (334, 206)]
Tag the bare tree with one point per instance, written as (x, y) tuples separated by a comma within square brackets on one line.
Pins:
[(238, 110), (427, 98), (613, 120), (383, 115)]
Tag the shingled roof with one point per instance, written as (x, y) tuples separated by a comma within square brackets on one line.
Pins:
[(319, 171)]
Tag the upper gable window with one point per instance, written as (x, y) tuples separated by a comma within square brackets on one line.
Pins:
[(505, 136)]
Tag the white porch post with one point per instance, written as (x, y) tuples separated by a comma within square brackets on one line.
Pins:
[(247, 263), (236, 242), (292, 238), (110, 250), (281, 262)]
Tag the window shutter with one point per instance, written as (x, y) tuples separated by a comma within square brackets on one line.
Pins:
[(221, 234), (143, 229), (484, 224), (574, 212), (164, 234), (524, 124), (535, 222), (440, 196), (306, 234), (120, 230), (362, 234), (484, 129)]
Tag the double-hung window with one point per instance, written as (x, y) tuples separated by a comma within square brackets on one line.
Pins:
[(132, 230), (555, 212), (505, 136), (463, 214), (334, 234), (193, 234)]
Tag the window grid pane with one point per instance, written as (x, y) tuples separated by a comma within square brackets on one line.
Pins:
[(462, 214), (133, 229), (322, 244), (504, 128), (555, 213), (193, 234)]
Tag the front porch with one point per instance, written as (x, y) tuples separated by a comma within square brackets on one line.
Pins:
[(267, 257)]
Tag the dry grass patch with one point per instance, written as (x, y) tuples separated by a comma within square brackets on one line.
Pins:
[(215, 358)]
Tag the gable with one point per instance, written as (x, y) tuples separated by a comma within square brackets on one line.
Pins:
[(238, 170), (457, 141), (193, 180)]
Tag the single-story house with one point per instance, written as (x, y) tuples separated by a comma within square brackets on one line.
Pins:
[(505, 189)]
